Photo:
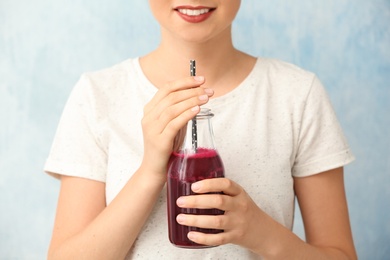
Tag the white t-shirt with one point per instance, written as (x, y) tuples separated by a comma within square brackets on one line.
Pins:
[(278, 123)]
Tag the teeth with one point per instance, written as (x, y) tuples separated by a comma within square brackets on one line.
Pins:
[(192, 12)]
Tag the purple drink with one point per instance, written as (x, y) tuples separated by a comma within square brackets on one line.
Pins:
[(185, 169)]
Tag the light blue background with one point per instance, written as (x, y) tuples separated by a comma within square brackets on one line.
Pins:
[(45, 45)]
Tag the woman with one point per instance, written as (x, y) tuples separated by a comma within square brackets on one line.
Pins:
[(275, 130)]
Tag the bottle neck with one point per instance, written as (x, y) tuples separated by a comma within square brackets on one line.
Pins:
[(199, 133)]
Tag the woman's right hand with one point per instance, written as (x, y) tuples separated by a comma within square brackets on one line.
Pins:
[(83, 226), (167, 112)]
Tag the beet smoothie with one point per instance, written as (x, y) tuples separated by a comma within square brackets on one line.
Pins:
[(185, 169)]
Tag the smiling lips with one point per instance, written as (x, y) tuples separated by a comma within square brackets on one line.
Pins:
[(194, 15), (194, 12)]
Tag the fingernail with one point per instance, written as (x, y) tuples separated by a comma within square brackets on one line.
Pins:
[(180, 202), (180, 218), (195, 186), (195, 109), (199, 78), (203, 97), (191, 235), (209, 91)]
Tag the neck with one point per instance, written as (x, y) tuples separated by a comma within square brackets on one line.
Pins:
[(216, 59)]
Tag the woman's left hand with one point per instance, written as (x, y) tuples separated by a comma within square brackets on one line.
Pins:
[(322, 202), (241, 222)]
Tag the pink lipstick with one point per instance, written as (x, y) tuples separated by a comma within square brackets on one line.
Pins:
[(194, 14)]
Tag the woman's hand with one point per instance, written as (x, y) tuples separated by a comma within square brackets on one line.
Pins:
[(324, 210), (169, 111), (240, 221)]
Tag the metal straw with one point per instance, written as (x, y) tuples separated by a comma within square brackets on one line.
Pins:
[(194, 123)]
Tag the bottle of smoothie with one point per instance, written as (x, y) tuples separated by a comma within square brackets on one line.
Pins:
[(195, 160)]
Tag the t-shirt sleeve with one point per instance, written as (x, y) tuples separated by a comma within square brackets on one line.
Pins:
[(321, 144), (76, 149)]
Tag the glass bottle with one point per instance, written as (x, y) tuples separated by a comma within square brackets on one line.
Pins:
[(195, 160)]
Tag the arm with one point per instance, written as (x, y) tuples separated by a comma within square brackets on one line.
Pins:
[(324, 210), (85, 228)]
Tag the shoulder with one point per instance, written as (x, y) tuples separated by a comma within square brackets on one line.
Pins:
[(279, 71), (109, 83), (283, 81), (112, 75)]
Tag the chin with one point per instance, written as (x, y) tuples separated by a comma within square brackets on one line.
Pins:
[(201, 37)]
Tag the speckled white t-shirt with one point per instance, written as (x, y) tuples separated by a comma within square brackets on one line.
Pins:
[(278, 123)]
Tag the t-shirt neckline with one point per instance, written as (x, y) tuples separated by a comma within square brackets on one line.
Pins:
[(227, 97)]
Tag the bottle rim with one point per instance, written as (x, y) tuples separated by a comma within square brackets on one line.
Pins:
[(204, 113)]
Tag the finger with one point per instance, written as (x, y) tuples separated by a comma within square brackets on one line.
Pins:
[(219, 222), (182, 95), (185, 83), (210, 239), (224, 185), (197, 95), (172, 106), (176, 103), (173, 126), (168, 129), (174, 111), (207, 201)]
